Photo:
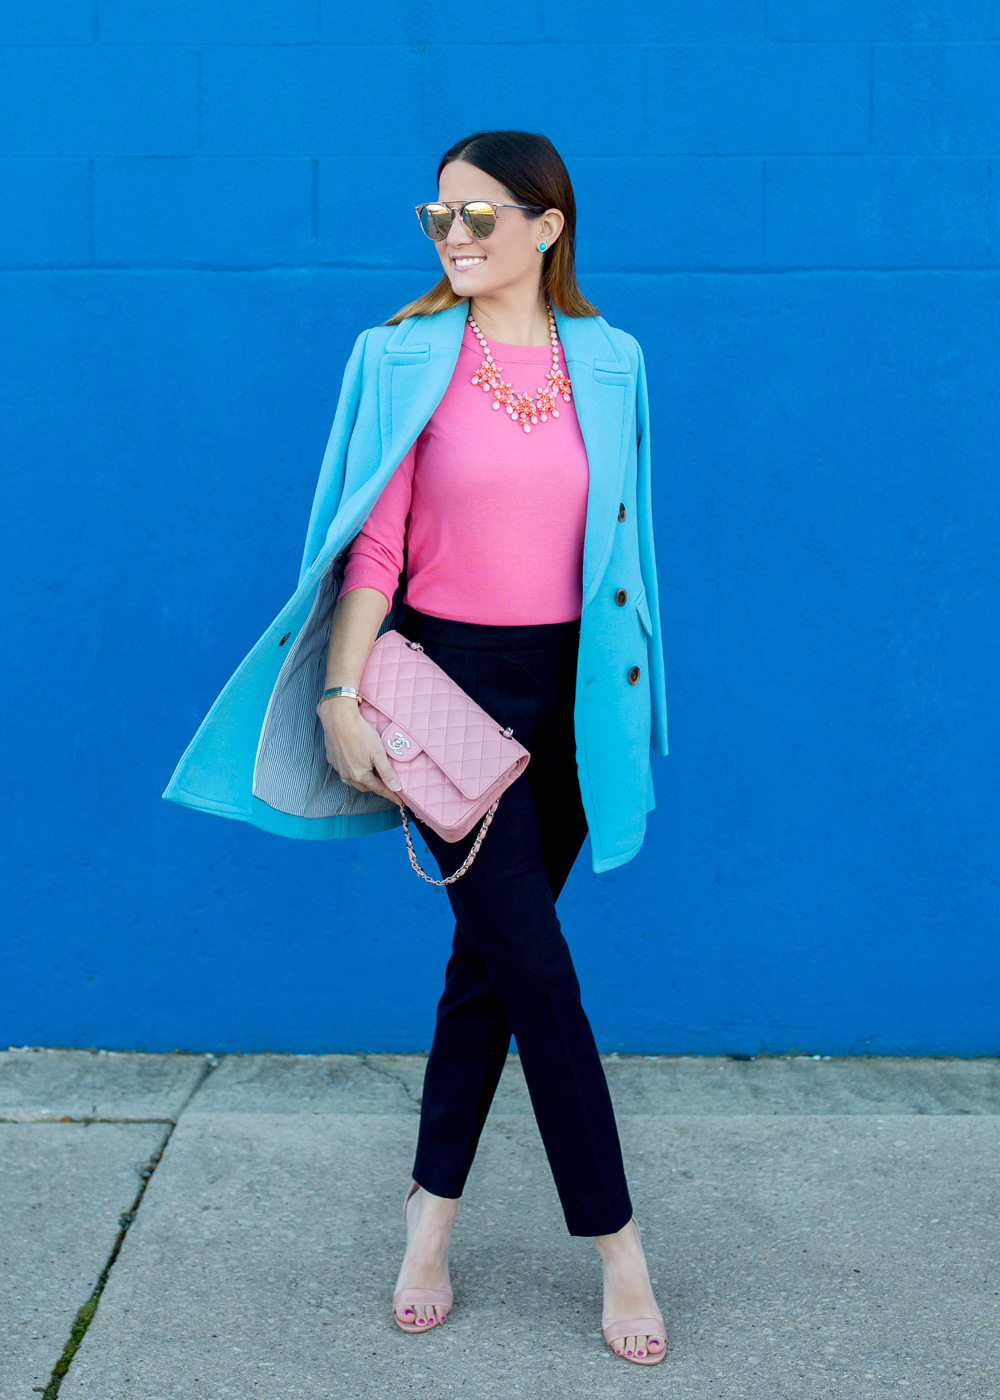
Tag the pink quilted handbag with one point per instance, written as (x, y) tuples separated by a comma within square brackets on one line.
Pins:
[(454, 761)]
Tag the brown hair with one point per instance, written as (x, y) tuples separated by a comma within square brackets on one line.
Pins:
[(532, 171)]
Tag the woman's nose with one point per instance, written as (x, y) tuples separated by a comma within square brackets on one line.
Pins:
[(458, 234)]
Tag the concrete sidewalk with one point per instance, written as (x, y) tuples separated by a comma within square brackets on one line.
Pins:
[(231, 1228)]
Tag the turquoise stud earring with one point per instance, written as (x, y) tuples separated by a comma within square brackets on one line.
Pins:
[(542, 246)]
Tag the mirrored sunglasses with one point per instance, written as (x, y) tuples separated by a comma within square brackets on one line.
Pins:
[(478, 215)]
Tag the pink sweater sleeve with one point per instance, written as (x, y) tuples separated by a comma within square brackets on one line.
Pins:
[(376, 556)]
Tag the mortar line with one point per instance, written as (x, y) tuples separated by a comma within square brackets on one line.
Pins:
[(645, 101), (91, 210), (845, 269), (88, 1311), (314, 201), (199, 100), (422, 96)]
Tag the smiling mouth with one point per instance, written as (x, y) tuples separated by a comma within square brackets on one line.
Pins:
[(460, 264)]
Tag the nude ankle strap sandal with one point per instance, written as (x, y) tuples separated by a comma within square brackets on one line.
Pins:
[(650, 1327), (419, 1297)]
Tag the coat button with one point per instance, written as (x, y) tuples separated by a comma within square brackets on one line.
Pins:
[(633, 675), (621, 597), (621, 511)]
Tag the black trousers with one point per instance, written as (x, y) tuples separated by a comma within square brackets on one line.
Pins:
[(510, 969)]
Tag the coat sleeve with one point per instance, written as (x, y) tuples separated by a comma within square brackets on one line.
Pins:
[(330, 486), (647, 564)]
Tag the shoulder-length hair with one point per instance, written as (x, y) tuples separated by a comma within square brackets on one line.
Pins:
[(532, 171)]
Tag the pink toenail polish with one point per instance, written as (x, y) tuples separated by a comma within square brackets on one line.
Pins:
[(628, 1353), (640, 1353), (618, 1350)]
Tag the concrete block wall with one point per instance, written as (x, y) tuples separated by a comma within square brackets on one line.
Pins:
[(795, 209)]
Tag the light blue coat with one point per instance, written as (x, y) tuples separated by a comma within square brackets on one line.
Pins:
[(259, 753)]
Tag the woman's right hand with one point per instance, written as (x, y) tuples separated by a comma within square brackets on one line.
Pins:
[(354, 749)]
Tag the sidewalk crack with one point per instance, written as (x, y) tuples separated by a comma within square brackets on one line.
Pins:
[(86, 1119), (382, 1072), (86, 1314)]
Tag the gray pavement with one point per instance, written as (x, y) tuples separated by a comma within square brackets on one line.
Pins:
[(814, 1227)]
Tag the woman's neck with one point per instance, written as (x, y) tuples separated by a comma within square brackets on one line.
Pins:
[(512, 321)]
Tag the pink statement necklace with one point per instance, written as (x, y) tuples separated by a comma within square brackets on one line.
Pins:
[(523, 407)]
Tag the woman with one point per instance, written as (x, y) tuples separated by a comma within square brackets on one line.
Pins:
[(516, 546)]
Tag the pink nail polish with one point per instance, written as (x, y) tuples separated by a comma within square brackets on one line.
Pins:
[(618, 1350), (640, 1353), (628, 1353)]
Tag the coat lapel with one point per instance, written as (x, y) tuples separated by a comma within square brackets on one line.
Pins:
[(416, 368)]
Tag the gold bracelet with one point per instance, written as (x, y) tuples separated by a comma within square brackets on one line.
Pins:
[(333, 690)]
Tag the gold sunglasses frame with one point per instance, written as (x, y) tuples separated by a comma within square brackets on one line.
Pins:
[(459, 206)]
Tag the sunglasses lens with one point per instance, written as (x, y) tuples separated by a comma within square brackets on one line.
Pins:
[(480, 220), (435, 220)]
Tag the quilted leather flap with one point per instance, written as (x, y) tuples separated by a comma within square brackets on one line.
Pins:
[(429, 708)]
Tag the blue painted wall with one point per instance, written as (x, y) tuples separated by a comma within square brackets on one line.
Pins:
[(795, 209)]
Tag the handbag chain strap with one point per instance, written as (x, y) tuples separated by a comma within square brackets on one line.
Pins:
[(449, 879)]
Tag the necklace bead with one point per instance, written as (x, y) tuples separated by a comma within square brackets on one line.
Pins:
[(524, 409)]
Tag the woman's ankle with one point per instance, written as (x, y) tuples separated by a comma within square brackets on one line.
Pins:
[(432, 1195), (437, 1211), (622, 1245)]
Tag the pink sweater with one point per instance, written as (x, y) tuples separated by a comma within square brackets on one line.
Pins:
[(493, 516)]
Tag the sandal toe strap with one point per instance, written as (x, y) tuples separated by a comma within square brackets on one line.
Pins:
[(438, 1297), (633, 1327)]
